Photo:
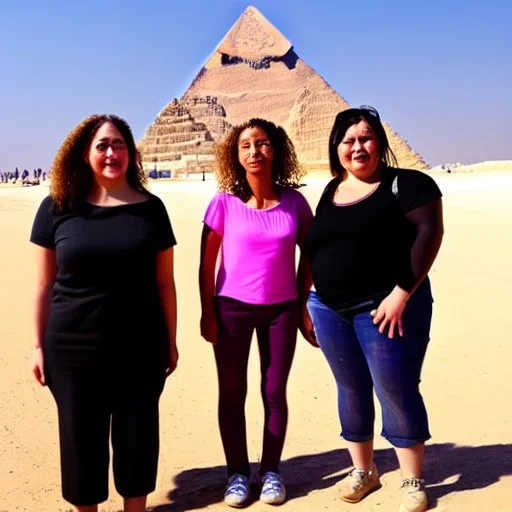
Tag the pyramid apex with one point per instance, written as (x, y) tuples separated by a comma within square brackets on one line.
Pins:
[(254, 37)]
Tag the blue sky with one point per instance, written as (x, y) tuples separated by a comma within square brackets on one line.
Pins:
[(439, 71)]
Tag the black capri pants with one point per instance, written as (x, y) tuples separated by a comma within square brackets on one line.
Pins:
[(96, 401)]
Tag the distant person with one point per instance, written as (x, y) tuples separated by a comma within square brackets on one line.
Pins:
[(258, 219), (105, 312), (376, 233)]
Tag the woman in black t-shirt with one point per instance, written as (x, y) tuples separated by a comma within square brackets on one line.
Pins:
[(376, 233), (105, 310)]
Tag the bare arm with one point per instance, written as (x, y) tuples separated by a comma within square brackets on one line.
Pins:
[(428, 221), (46, 270), (167, 292), (210, 245), (304, 284), (304, 279)]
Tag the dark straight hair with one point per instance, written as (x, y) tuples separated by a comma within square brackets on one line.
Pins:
[(344, 120)]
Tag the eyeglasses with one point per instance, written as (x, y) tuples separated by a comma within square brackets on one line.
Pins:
[(116, 145)]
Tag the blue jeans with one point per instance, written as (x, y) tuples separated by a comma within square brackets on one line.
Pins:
[(362, 359)]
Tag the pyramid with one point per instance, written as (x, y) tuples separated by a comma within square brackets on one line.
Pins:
[(181, 139), (255, 72)]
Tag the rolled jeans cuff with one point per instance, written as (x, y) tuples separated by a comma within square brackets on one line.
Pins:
[(403, 442), (355, 438)]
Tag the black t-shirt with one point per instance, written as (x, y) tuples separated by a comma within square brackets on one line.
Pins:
[(105, 294), (362, 250)]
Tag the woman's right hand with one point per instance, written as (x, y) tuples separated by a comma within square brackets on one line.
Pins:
[(38, 366), (306, 327), (209, 327)]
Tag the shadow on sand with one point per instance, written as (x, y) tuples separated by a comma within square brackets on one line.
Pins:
[(449, 468)]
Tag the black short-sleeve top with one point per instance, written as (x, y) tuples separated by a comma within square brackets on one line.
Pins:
[(360, 250), (105, 287)]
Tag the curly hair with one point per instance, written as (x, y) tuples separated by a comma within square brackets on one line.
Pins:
[(71, 177), (231, 176)]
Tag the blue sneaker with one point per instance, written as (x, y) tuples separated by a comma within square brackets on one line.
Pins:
[(273, 491), (237, 491)]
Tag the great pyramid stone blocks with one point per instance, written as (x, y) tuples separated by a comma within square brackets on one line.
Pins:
[(254, 72)]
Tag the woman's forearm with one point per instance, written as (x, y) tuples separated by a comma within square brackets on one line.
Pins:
[(428, 221), (304, 279), (423, 254), (207, 285), (210, 245), (167, 294), (42, 302)]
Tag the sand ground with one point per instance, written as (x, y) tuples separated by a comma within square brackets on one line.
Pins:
[(466, 381)]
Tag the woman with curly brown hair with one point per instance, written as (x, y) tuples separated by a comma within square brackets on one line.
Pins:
[(105, 312), (258, 218)]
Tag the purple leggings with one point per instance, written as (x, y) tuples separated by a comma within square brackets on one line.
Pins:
[(276, 330)]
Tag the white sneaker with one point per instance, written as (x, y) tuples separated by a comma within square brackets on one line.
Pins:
[(273, 491), (237, 491)]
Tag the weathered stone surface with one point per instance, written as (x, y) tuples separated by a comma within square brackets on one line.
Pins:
[(255, 72), (252, 37), (183, 134)]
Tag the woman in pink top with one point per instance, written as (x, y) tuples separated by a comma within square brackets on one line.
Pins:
[(257, 220)]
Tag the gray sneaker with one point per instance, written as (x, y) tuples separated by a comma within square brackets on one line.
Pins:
[(358, 484), (414, 497)]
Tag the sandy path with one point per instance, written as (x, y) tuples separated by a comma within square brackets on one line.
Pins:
[(466, 382)]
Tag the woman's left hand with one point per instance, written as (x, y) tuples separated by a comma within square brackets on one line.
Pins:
[(390, 310), (173, 359)]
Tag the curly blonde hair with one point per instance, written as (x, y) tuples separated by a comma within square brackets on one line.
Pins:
[(71, 177), (231, 176)]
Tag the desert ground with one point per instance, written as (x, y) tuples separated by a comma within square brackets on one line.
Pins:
[(466, 383)]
